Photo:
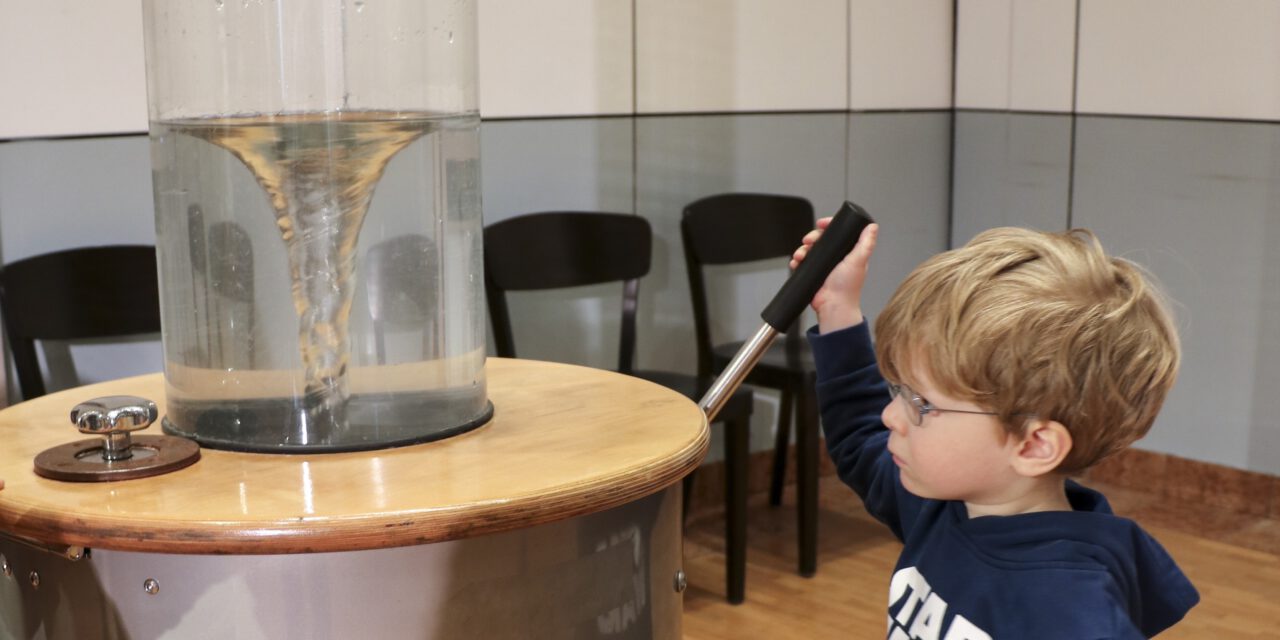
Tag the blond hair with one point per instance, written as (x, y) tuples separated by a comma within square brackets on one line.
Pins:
[(1025, 322)]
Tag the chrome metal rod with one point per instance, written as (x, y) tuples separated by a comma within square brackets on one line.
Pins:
[(731, 378)]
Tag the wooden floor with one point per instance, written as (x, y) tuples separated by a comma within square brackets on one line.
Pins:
[(1239, 582)]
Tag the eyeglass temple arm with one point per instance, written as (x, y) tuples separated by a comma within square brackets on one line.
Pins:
[(832, 246)]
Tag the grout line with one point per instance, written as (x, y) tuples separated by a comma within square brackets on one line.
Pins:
[(948, 242), (604, 116), (848, 55), (1075, 110), (848, 93), (1126, 116), (635, 105)]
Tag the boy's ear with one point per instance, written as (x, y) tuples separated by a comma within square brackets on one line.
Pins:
[(1043, 446)]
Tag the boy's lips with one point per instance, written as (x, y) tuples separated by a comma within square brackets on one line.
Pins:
[(896, 460)]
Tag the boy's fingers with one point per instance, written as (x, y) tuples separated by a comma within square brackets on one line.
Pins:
[(798, 256), (866, 243), (809, 238), (867, 238)]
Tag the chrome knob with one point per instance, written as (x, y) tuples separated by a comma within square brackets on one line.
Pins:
[(114, 417)]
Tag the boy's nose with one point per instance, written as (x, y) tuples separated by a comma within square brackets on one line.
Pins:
[(892, 416)]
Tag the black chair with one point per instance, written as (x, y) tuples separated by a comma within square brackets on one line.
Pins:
[(555, 250), (398, 273), (746, 227), (76, 294)]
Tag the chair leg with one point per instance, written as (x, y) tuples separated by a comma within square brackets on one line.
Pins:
[(781, 445), (807, 477), (736, 436)]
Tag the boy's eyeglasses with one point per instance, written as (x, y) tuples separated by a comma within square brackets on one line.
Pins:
[(919, 407)]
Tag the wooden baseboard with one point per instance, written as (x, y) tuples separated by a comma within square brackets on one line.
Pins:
[(1183, 480), (1170, 477)]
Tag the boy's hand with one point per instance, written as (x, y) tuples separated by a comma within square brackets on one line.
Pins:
[(839, 301)]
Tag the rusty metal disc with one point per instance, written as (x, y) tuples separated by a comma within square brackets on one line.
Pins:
[(81, 461)]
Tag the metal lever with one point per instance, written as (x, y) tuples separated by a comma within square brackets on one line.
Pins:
[(832, 246), (114, 417)]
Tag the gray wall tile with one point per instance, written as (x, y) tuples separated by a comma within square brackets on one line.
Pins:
[(1010, 170), (1197, 203)]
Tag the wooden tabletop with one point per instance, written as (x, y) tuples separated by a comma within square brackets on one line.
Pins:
[(564, 441)]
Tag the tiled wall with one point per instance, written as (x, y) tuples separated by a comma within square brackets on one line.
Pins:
[(896, 165), (73, 68), (556, 57), (1015, 54), (1195, 202), (1191, 58)]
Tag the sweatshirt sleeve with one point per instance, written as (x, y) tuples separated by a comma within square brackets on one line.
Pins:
[(851, 395)]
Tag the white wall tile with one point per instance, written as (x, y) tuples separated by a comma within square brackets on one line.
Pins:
[(1199, 58), (72, 67), (1015, 54), (1041, 69), (900, 54), (740, 55), (983, 36), (555, 57)]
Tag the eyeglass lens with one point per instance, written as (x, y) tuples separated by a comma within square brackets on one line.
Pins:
[(915, 413)]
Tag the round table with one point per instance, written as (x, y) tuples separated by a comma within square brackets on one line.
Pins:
[(559, 518)]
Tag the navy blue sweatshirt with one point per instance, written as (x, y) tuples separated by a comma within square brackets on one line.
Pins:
[(1085, 574)]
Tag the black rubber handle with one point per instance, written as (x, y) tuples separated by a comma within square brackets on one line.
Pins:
[(832, 246)]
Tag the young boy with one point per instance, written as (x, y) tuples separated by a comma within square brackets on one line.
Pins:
[(1004, 367)]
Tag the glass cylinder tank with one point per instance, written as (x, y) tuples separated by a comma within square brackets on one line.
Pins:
[(318, 224)]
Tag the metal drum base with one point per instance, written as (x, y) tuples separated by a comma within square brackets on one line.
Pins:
[(614, 574), (81, 461)]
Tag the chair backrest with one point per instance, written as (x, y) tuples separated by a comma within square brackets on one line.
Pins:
[(733, 228), (91, 292), (401, 292), (559, 249), (230, 278)]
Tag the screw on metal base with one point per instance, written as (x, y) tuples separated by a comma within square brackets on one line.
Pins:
[(114, 417), (681, 581)]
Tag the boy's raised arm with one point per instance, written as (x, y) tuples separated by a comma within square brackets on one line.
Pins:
[(851, 392)]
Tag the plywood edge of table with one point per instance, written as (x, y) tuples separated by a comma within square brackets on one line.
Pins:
[(565, 441)]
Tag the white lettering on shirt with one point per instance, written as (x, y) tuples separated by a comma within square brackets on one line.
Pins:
[(928, 621), (962, 629), (925, 611)]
